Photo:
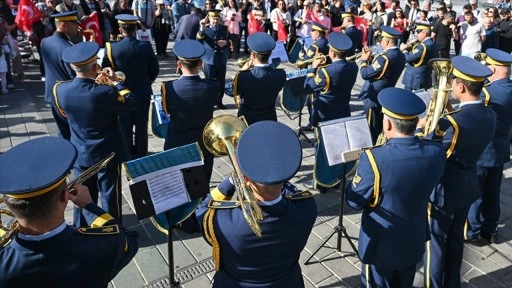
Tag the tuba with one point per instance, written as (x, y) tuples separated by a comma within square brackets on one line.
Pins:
[(11, 226), (437, 105), (220, 136)]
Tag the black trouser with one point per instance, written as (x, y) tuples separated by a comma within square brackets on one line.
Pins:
[(161, 36)]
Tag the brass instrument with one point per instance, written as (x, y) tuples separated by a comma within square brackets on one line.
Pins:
[(437, 104), (220, 136), (304, 63), (411, 44), (373, 49), (242, 61), (12, 226), (103, 79), (481, 57)]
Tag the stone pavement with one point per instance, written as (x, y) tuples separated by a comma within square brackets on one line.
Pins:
[(24, 115)]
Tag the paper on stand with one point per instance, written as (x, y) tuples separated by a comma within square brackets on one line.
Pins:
[(167, 190)]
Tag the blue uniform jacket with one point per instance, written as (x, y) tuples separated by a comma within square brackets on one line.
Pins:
[(319, 46), (383, 72), (87, 257), (92, 111), (189, 103), (187, 27), (356, 36), (465, 133), (418, 73), (259, 88), (498, 96), (394, 232), (214, 55), (138, 62), (333, 86), (55, 69), (271, 261)]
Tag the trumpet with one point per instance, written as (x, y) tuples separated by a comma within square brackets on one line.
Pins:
[(241, 62), (11, 227), (411, 44), (374, 50), (481, 57), (220, 137), (103, 79), (92, 36), (304, 63)]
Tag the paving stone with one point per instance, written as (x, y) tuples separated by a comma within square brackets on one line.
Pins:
[(129, 277), (314, 272), (152, 264), (201, 282)]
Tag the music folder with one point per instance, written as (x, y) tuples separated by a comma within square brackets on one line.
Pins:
[(166, 180), (344, 139)]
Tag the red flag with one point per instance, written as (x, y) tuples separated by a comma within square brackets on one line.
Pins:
[(27, 15), (282, 35), (362, 25), (336, 29), (91, 23), (254, 25), (311, 15)]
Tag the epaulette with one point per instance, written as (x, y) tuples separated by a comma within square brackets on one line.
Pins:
[(299, 195), (451, 112), (222, 204), (104, 230)]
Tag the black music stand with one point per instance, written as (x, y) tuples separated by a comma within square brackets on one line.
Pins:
[(339, 229), (300, 132), (297, 85), (170, 254)]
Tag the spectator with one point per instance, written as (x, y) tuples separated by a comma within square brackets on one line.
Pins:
[(479, 15), (232, 18), (106, 10), (491, 35), (122, 7), (145, 10), (505, 31), (162, 28), (335, 11), (474, 35), (460, 19), (292, 9), (443, 32), (89, 6), (325, 19), (400, 23), (4, 52), (245, 7)]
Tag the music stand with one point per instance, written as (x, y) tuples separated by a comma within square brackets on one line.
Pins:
[(343, 140), (340, 230), (297, 86)]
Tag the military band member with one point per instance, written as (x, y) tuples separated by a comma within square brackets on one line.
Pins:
[(484, 214), (214, 37), (317, 47), (418, 74), (188, 101), (45, 252), (392, 186), (353, 32), (379, 73), (56, 69), (92, 111), (332, 85), (269, 154), (139, 63), (465, 133), (259, 86)]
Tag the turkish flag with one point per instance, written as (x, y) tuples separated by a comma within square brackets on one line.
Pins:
[(337, 29), (282, 35), (91, 23), (27, 15), (362, 25), (253, 24), (311, 15)]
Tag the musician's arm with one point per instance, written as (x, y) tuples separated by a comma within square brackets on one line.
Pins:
[(415, 54), (359, 191), (375, 69), (122, 99), (316, 81)]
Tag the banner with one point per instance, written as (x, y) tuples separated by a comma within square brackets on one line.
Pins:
[(91, 25), (27, 15)]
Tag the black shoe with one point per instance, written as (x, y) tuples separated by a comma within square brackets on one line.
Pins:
[(309, 127), (132, 233), (492, 238)]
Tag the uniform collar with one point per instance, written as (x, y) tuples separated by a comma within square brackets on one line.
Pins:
[(261, 65), (271, 202), (189, 76), (44, 236), (405, 139), (470, 102), (389, 48)]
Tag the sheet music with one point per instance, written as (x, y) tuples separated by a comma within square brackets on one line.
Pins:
[(279, 52), (167, 190), (101, 54), (345, 135)]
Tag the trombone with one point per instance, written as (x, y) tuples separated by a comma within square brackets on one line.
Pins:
[(304, 63), (12, 226)]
